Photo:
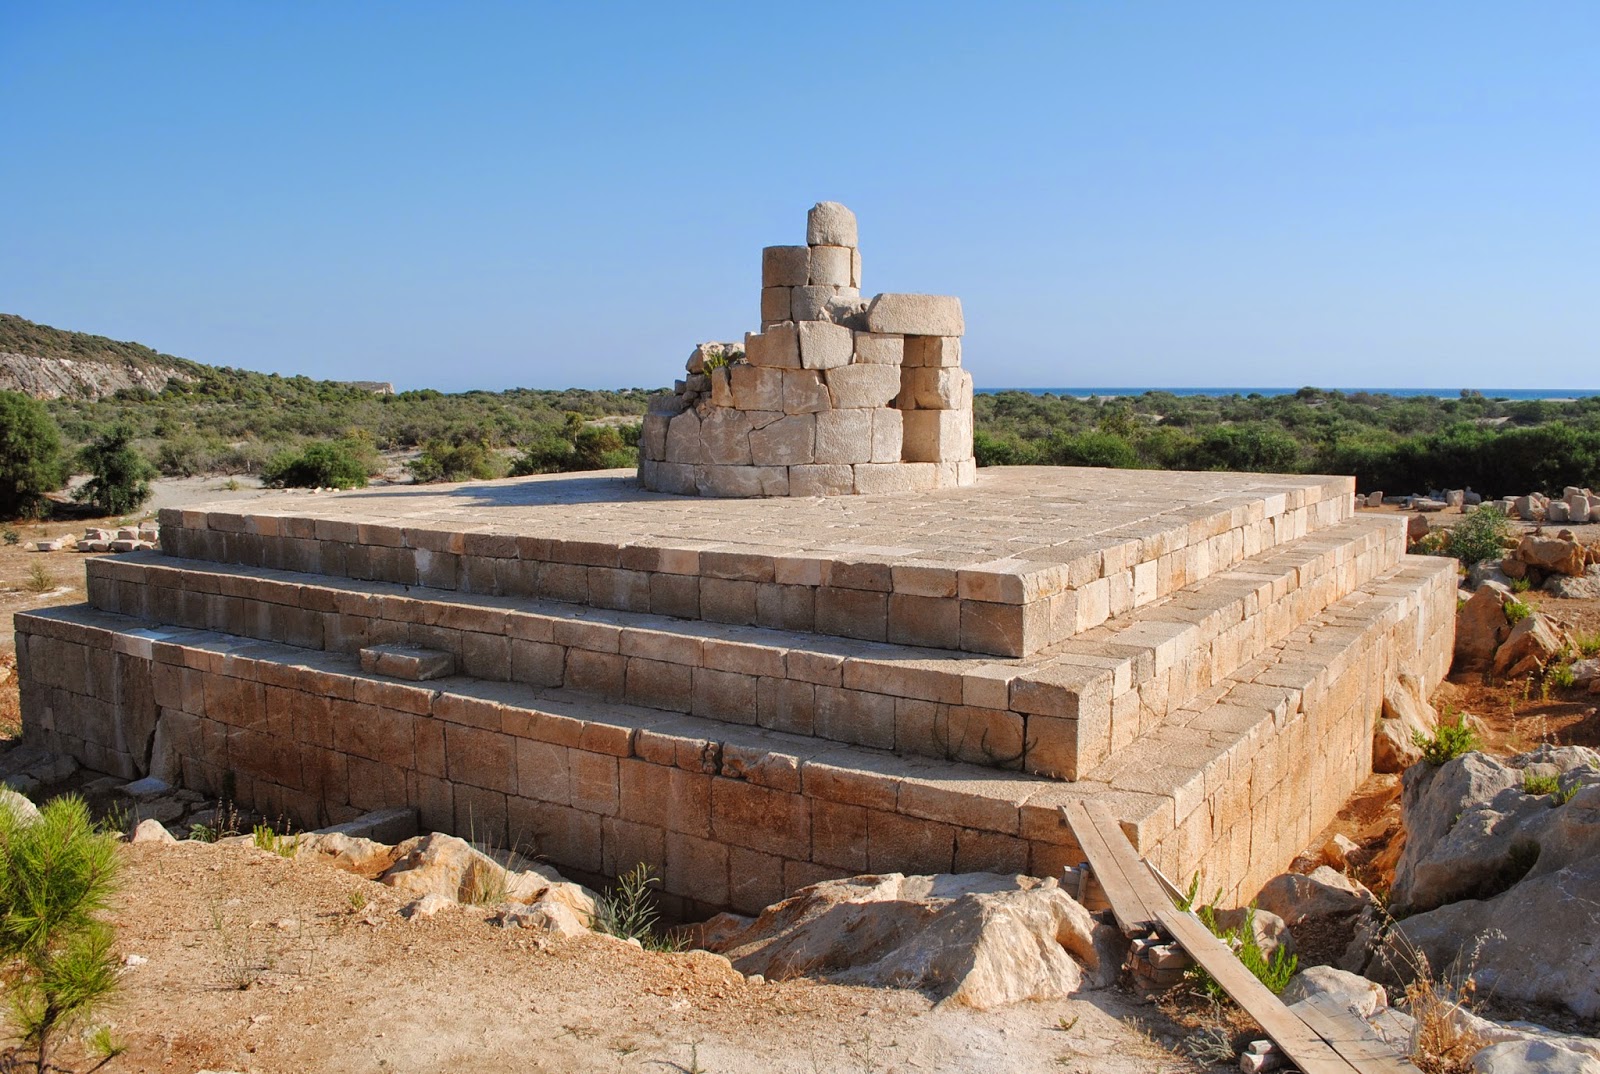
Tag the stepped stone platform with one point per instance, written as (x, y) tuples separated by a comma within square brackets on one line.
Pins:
[(752, 695)]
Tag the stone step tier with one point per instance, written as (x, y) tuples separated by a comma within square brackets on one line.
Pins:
[(1227, 783), (1057, 713), (1028, 558)]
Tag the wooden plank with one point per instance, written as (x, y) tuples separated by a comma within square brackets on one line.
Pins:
[(1151, 894), (1299, 1042), (1349, 1034), (1133, 916)]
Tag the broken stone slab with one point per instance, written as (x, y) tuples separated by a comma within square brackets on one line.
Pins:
[(147, 788), (916, 315), (873, 348), (777, 346), (1406, 714), (785, 266), (1531, 645), (382, 826), (1350, 990), (825, 345), (412, 663)]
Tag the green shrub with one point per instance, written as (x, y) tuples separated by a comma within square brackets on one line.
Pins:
[(628, 911), (1447, 743), (57, 875), (464, 460), (119, 481), (1273, 972), (30, 456), (1532, 784), (325, 464), (1520, 585), (1480, 536), (1516, 611)]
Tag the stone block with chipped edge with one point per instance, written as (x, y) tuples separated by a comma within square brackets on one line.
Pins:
[(683, 439), (410, 662), (789, 441), (721, 387), (887, 434), (831, 224), (858, 386), (804, 392), (830, 266), (821, 480), (932, 351), (777, 346), (785, 266), (935, 388), (875, 477), (811, 303), (756, 387), (855, 268), (776, 303), (875, 348), (844, 436), (824, 345), (725, 434), (916, 315), (743, 482), (936, 435)]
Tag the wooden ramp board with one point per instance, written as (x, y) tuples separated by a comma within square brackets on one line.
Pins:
[(1349, 1034), (1304, 1047), (1136, 899)]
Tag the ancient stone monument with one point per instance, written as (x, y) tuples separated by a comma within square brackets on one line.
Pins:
[(836, 395), (752, 695)]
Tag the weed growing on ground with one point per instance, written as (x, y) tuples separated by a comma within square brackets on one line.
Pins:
[(1448, 742), (1516, 611), (266, 839), (1532, 784), (10, 536), (40, 580), (628, 910), (1586, 642), (357, 900), (1480, 536), (1274, 971), (235, 952), (1520, 585)]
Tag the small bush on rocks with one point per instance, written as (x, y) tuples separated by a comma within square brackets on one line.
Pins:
[(1448, 742)]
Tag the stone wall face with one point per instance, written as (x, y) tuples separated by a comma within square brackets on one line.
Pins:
[(836, 395)]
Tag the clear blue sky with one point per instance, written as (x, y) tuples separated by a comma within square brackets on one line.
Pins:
[(484, 195)]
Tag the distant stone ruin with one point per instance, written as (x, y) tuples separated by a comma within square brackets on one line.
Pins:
[(836, 395)]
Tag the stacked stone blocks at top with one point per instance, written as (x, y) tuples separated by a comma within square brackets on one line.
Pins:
[(835, 395)]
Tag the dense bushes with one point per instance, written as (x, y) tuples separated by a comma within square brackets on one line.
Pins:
[(119, 481), (30, 456), (464, 460), (338, 464)]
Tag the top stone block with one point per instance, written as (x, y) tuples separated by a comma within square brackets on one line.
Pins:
[(916, 315), (830, 224)]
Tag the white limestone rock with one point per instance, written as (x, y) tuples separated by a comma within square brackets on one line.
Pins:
[(830, 224), (916, 315)]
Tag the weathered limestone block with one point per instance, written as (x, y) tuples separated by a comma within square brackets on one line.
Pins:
[(830, 266), (811, 304), (916, 315), (937, 435), (830, 224), (675, 477), (863, 385), (721, 387), (725, 433), (743, 481), (821, 480), (888, 428), (844, 436), (653, 436), (789, 441), (873, 348), (804, 392), (933, 351), (756, 387), (855, 268), (778, 347), (874, 477), (683, 439), (936, 388), (785, 266), (824, 345), (776, 303)]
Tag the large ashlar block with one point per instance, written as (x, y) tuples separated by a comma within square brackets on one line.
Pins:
[(653, 436), (844, 436), (725, 435), (824, 345), (776, 302), (683, 439), (830, 266), (789, 441), (721, 387), (887, 430), (778, 347), (936, 435), (875, 477), (811, 303), (916, 315), (743, 481), (785, 266), (875, 349), (756, 387), (934, 351), (830, 224), (933, 388), (821, 480), (675, 477), (863, 385), (803, 392)]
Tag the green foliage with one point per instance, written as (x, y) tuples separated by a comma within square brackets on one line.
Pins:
[(119, 482), (11, 537), (628, 910), (1516, 611), (1520, 585), (462, 460), (1274, 972), (264, 838), (1532, 784), (1480, 536), (1560, 676), (30, 456), (1448, 742), (340, 464), (57, 875), (1587, 642)]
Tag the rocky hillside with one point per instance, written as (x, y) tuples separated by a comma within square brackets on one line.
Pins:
[(49, 363)]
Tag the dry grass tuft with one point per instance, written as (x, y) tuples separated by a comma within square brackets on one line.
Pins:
[(1443, 1046)]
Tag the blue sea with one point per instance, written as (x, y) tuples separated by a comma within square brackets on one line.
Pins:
[(1442, 393)]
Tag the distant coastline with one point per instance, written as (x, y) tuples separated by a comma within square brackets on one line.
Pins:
[(1440, 393)]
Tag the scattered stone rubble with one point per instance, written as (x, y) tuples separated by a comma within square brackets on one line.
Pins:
[(836, 395), (140, 538), (1574, 505)]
